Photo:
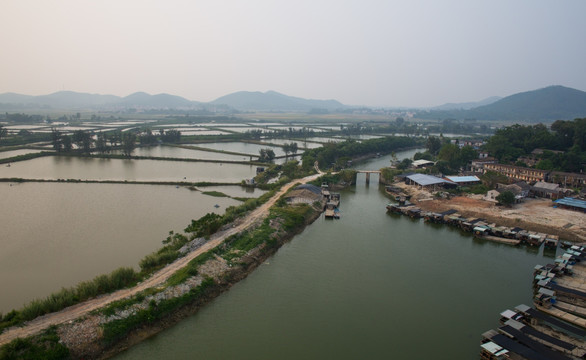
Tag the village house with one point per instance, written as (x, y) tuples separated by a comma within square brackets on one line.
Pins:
[(517, 172), (477, 165), (520, 189), (547, 190), (573, 180)]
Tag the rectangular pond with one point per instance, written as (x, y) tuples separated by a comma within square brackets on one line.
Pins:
[(58, 234), (63, 167), (183, 153), (242, 147)]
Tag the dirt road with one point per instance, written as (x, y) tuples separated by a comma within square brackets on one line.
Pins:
[(73, 312)]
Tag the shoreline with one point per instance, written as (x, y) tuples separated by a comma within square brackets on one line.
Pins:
[(254, 260), (83, 328), (501, 220)]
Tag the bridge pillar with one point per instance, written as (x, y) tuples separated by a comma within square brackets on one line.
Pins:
[(368, 178)]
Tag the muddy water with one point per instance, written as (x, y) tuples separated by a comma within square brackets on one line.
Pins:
[(57, 167), (367, 286), (56, 235)]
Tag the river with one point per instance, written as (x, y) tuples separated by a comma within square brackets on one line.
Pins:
[(368, 286)]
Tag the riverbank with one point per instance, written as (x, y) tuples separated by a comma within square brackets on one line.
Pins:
[(209, 268), (224, 275), (533, 214)]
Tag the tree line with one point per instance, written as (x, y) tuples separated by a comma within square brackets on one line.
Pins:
[(567, 139), (337, 154), (87, 142)]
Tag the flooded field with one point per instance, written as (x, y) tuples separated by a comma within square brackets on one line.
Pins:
[(183, 153), (56, 235), (55, 167), (242, 147)]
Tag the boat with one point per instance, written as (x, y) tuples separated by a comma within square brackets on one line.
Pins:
[(551, 242)]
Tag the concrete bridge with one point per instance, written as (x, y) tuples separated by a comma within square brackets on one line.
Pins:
[(368, 172)]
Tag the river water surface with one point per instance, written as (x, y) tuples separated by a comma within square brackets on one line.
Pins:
[(368, 286)]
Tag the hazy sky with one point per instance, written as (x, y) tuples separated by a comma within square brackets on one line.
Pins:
[(393, 53)]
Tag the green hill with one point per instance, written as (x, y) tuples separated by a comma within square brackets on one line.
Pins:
[(543, 105)]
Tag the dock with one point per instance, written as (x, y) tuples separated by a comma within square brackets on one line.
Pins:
[(332, 204), (556, 327), (479, 227)]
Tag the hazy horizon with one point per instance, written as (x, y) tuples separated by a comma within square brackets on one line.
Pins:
[(373, 53)]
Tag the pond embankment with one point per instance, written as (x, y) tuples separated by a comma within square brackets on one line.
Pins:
[(97, 336), (110, 323)]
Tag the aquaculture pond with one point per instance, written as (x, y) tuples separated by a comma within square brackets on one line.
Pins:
[(58, 234), (64, 167), (183, 153)]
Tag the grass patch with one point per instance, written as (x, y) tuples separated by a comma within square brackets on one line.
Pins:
[(102, 284), (189, 270), (44, 346), (214, 193)]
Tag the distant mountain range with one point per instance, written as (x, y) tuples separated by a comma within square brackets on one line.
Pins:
[(269, 101), (274, 101), (467, 105), (547, 104), (76, 101)]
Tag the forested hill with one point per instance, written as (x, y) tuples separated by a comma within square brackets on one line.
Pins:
[(543, 105), (274, 101)]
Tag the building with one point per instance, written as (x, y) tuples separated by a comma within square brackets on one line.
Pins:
[(477, 166), (547, 190), (428, 182), (517, 172), (491, 195), (573, 180), (304, 194), (463, 180), (520, 190), (572, 204), (418, 164)]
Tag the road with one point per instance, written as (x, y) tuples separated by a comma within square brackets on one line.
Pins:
[(76, 311)]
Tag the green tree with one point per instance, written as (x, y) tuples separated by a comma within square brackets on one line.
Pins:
[(450, 153), (404, 164), (67, 144), (433, 145), (102, 143), (3, 132), (83, 140), (467, 154), (128, 143), (286, 149), (506, 198), (266, 155), (56, 140), (491, 178)]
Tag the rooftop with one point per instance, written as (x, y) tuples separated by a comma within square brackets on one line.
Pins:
[(461, 179), (425, 180), (572, 202)]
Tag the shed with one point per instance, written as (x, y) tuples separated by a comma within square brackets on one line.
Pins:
[(463, 180), (546, 190), (571, 203), (422, 163), (427, 181)]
